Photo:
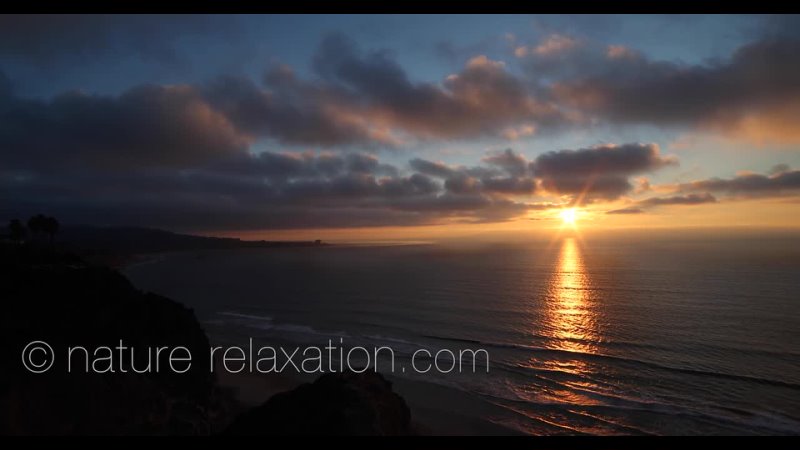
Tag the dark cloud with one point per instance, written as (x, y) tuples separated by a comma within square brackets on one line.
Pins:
[(588, 189), (364, 163), (690, 199), (778, 169), (462, 184), (357, 97), (295, 112), (245, 191), (625, 211), (626, 159), (784, 181), (483, 98), (511, 162), (182, 156), (506, 174), (368, 99), (145, 126), (597, 172), (432, 168), (286, 165), (587, 174), (44, 39), (510, 185), (753, 93)]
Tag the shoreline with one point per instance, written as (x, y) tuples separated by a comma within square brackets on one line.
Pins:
[(462, 416)]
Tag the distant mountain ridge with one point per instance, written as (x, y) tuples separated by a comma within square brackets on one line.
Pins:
[(135, 240)]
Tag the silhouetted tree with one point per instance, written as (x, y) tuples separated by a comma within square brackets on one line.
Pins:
[(16, 230), (50, 226), (43, 225), (36, 224)]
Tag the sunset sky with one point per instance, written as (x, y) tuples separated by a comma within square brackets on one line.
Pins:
[(394, 126)]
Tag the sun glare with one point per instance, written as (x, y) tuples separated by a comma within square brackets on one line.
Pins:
[(568, 216)]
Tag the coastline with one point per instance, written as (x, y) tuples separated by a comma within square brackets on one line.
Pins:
[(462, 415)]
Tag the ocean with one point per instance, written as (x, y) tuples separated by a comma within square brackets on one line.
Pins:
[(628, 334)]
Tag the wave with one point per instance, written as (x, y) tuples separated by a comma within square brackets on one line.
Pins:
[(620, 359), (750, 421), (267, 323), (606, 412), (245, 316)]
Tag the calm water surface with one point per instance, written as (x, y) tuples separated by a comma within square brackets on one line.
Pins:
[(600, 336)]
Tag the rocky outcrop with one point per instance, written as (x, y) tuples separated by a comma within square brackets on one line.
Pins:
[(56, 298), (335, 404)]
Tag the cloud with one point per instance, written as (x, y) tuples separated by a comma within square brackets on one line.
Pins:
[(365, 99), (145, 126), (514, 133), (295, 112), (551, 46), (625, 211), (555, 44), (191, 156), (690, 199), (368, 99), (509, 185), (625, 159), (754, 93), (44, 39), (778, 169), (432, 168), (781, 181), (509, 161), (598, 172), (482, 99), (183, 156), (506, 173), (588, 174), (254, 191), (620, 52)]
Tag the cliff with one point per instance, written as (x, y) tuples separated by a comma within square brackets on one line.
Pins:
[(57, 298), (335, 404)]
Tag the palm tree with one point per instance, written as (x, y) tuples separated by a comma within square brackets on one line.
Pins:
[(16, 230), (36, 224), (41, 224), (50, 226)]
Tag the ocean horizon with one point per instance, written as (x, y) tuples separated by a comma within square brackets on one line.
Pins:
[(586, 335)]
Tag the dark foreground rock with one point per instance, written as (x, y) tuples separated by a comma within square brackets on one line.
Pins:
[(57, 298), (335, 404)]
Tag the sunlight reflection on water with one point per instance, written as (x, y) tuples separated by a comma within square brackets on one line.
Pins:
[(571, 318)]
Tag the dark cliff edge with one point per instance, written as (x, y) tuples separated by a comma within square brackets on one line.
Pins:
[(56, 297), (346, 403)]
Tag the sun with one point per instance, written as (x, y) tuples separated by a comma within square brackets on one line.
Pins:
[(568, 216)]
